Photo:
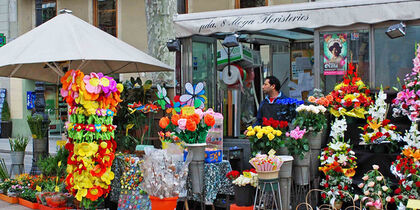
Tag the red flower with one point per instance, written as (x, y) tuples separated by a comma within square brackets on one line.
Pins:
[(385, 122), (326, 185), (232, 175), (323, 195), (400, 197), (346, 187), (408, 188), (397, 191), (370, 118), (418, 184)]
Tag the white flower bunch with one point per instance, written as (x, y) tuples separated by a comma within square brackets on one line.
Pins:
[(338, 128), (412, 137), (311, 108), (378, 110), (244, 180)]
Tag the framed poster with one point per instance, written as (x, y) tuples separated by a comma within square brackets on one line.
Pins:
[(335, 54)]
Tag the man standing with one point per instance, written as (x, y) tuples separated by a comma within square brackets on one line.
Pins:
[(270, 107)]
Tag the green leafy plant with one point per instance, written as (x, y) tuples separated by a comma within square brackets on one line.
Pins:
[(5, 113), (29, 195), (296, 143), (311, 117), (39, 127), (3, 170), (18, 144), (49, 165)]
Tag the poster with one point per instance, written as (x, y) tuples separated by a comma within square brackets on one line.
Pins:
[(335, 54)]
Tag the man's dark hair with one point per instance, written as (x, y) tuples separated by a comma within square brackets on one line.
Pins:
[(274, 81)]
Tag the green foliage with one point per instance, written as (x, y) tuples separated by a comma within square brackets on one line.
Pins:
[(39, 129), (6, 184), (49, 165), (28, 194), (18, 144), (298, 146), (3, 170), (311, 121), (5, 112), (126, 143)]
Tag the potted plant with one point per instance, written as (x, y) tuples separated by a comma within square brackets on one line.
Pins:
[(375, 189), (298, 147), (378, 130), (244, 186), (164, 176), (338, 162), (4, 187), (28, 199), (266, 137), (312, 118), (6, 123), (17, 149)]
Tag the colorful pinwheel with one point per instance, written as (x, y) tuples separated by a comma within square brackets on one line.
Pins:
[(194, 95), (163, 100)]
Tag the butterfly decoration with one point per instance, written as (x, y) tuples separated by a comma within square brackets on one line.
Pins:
[(163, 100), (194, 95)]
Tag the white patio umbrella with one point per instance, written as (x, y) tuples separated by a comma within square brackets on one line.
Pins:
[(66, 40)]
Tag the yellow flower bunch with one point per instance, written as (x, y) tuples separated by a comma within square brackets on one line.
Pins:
[(259, 132), (264, 138)]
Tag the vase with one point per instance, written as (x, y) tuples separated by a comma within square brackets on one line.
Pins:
[(315, 141), (244, 195), (196, 167), (165, 203), (338, 204), (17, 157), (197, 150), (301, 169), (285, 180)]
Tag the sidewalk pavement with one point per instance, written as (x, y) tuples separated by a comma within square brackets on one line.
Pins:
[(5, 152), (8, 206)]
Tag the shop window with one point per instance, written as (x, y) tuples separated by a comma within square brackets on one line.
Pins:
[(49, 9), (337, 50), (251, 3), (105, 15), (394, 57)]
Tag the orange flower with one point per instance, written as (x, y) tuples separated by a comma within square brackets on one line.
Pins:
[(164, 122), (175, 119), (191, 125), (209, 120), (67, 79), (311, 99), (94, 193), (330, 98), (349, 172), (195, 117)]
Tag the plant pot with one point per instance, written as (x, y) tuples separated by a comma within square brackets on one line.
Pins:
[(315, 140), (338, 204), (197, 150), (8, 199), (6, 129), (244, 195), (28, 204), (166, 203), (42, 207), (196, 172), (40, 149), (282, 151), (301, 169), (17, 157), (285, 180)]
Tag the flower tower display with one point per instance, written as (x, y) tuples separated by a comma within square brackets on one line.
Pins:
[(407, 100), (378, 129), (407, 169), (338, 162), (92, 101), (375, 189), (350, 97)]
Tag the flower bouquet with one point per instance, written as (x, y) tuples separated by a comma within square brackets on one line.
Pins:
[(267, 166), (407, 100), (320, 99), (288, 108), (296, 143), (338, 163), (311, 118), (375, 189), (351, 97), (407, 169), (92, 101), (378, 129), (265, 138), (244, 186)]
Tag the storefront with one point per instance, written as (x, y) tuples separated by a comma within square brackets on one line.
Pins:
[(305, 45)]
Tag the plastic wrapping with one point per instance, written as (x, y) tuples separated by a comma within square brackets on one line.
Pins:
[(164, 172)]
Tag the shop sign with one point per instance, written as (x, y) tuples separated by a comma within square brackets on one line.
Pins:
[(335, 54)]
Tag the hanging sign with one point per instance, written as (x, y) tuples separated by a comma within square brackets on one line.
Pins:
[(335, 54)]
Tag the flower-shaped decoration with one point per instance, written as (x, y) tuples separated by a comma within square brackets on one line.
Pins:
[(407, 169), (163, 100), (375, 189), (350, 97), (378, 129), (264, 138), (247, 177), (311, 117), (194, 95), (296, 143), (338, 162), (263, 162), (407, 100)]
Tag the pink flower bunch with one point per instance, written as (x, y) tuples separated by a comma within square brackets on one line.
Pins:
[(296, 134)]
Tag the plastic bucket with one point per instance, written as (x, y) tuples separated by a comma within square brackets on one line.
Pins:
[(165, 203)]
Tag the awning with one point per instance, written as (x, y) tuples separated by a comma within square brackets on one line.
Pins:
[(304, 15)]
